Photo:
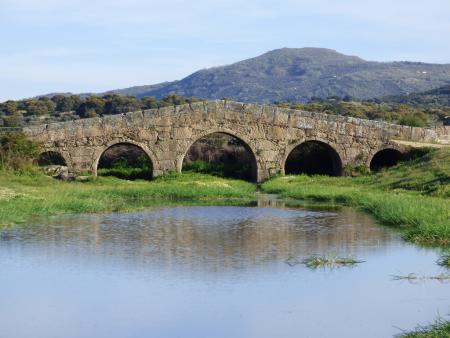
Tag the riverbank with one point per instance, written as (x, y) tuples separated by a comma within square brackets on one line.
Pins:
[(414, 196), (24, 196)]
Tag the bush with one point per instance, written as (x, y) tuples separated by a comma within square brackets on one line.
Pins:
[(222, 169), (355, 170), (204, 167), (128, 168), (17, 153), (412, 121)]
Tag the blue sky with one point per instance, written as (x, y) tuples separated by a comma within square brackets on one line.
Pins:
[(92, 45)]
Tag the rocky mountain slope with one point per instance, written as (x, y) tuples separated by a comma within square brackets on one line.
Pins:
[(298, 74)]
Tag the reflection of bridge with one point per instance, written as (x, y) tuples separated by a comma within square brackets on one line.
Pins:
[(270, 134), (212, 239)]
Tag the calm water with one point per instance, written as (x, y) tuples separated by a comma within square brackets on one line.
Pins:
[(212, 272)]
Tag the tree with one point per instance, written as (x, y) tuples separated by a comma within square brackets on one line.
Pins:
[(174, 99), (118, 104), (149, 102), (91, 104), (36, 107), (49, 103), (9, 107), (15, 120), (66, 103)]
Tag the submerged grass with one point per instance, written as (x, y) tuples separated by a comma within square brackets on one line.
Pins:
[(34, 195), (444, 260), (401, 197), (322, 261)]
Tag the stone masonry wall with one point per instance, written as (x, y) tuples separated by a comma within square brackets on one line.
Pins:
[(271, 133)]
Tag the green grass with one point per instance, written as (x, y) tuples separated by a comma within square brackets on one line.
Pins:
[(444, 260), (414, 196), (428, 174), (232, 169), (22, 197), (315, 262), (127, 173), (439, 329)]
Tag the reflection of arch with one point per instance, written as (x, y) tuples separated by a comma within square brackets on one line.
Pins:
[(51, 158), (313, 157), (255, 164), (385, 158), (111, 144)]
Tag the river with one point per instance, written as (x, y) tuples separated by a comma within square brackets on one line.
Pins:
[(205, 271)]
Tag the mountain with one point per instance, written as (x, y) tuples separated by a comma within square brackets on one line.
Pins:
[(297, 74), (438, 97), (140, 91)]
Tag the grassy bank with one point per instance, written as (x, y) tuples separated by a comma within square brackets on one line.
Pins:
[(24, 196), (439, 329), (414, 196)]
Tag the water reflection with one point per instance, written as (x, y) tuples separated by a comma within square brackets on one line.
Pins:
[(212, 272), (216, 238)]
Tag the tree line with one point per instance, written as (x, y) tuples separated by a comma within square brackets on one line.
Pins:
[(414, 115), (64, 108)]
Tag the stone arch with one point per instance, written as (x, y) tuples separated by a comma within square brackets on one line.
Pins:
[(143, 147), (385, 157), (328, 152), (51, 157), (249, 146)]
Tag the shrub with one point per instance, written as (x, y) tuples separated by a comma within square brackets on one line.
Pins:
[(412, 121), (355, 170), (17, 153)]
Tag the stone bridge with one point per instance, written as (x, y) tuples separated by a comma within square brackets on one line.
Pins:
[(270, 133)]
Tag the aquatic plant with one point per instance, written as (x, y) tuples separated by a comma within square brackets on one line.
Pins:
[(444, 260), (324, 261), (439, 329)]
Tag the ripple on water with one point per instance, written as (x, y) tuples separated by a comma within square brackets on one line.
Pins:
[(212, 271)]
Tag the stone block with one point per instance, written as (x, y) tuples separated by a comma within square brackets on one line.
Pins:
[(182, 133)]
